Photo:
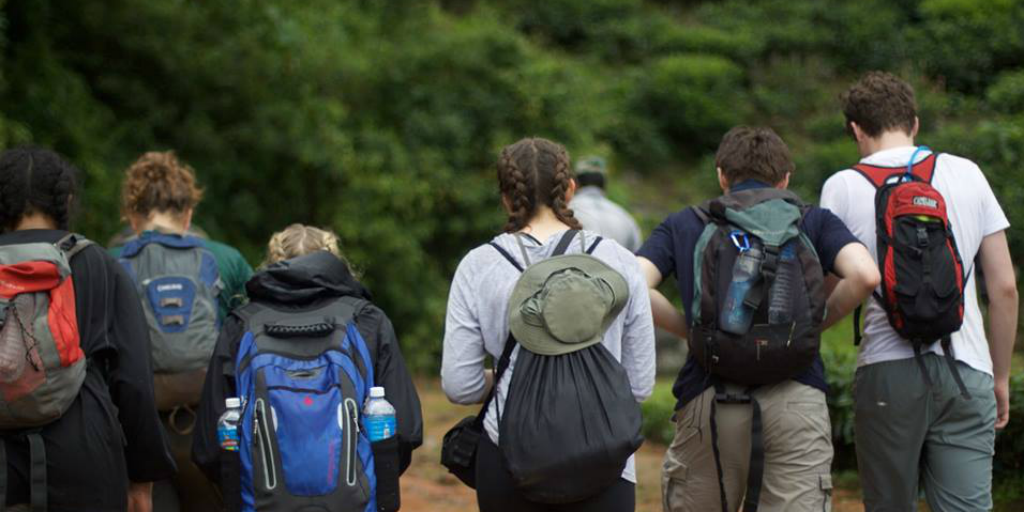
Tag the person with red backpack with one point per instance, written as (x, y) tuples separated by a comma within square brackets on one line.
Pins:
[(931, 386), (77, 414)]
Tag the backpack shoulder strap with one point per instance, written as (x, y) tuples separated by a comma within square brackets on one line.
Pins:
[(563, 243), (502, 365), (877, 175), (507, 256), (590, 250), (72, 244)]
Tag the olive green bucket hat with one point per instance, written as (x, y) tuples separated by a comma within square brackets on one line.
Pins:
[(565, 303)]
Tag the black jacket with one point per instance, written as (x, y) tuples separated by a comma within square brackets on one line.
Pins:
[(306, 283), (111, 433)]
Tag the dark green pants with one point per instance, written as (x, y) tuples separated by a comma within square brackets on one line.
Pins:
[(907, 434)]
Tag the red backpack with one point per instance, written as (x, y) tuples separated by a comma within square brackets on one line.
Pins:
[(922, 272)]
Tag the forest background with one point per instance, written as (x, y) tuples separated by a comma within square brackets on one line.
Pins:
[(382, 119)]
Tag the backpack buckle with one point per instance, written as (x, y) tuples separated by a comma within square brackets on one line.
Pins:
[(922, 236), (730, 398)]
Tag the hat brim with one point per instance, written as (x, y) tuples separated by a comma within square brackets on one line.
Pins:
[(537, 339)]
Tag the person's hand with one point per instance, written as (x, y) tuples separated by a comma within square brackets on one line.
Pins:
[(1002, 403), (140, 497)]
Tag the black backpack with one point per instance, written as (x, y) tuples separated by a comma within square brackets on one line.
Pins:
[(570, 421), (758, 304)]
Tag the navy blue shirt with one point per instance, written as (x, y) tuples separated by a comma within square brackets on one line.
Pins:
[(670, 248)]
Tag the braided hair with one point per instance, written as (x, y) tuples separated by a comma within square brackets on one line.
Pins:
[(35, 180), (535, 172)]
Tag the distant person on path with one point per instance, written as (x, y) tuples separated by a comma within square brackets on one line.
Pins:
[(536, 184), (596, 212), (187, 285), (307, 288), (913, 422), (791, 429), (106, 447)]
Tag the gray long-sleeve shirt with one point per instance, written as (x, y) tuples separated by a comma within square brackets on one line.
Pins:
[(477, 322), (599, 214)]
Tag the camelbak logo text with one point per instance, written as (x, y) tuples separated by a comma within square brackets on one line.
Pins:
[(925, 201), (169, 287)]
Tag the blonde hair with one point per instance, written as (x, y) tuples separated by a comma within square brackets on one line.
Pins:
[(298, 240)]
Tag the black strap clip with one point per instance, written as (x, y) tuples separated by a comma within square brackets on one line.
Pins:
[(725, 397)]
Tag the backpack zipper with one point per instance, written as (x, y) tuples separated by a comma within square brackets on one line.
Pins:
[(266, 450), (352, 436)]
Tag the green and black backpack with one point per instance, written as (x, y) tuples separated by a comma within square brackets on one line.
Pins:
[(758, 304)]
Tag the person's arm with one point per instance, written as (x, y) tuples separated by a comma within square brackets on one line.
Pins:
[(238, 273), (391, 373), (130, 380), (1002, 316), (638, 336), (666, 315), (463, 376), (858, 278), (219, 385)]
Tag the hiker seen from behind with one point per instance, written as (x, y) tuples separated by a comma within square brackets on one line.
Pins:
[(566, 316), (751, 424)]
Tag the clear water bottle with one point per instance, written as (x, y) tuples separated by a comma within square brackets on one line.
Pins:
[(737, 316), (227, 425), (780, 309), (378, 416)]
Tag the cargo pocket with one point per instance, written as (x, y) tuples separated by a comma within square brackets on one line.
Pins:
[(825, 485), (673, 489)]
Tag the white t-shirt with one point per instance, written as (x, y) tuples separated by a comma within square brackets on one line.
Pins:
[(974, 214)]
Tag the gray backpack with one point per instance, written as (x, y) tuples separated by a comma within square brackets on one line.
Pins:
[(42, 366), (178, 282)]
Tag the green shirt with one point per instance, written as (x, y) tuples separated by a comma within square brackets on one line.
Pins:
[(234, 273)]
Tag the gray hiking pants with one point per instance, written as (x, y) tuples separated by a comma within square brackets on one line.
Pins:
[(906, 434)]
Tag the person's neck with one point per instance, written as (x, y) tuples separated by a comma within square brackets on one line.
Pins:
[(887, 140), (544, 224), (35, 221), (164, 223)]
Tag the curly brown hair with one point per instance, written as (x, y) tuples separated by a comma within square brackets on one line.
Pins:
[(531, 173), (880, 102), (158, 181), (753, 153)]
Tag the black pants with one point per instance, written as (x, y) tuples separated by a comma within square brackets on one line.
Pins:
[(495, 491)]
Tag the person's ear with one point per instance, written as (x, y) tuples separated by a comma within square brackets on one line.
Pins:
[(858, 134), (136, 222), (186, 218), (571, 191), (917, 126), (784, 184), (722, 181)]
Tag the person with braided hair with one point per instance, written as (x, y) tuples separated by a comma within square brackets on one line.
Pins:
[(158, 197), (106, 449), (536, 184)]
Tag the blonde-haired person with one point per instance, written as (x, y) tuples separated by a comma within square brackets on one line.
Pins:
[(305, 273), (159, 196), (298, 239)]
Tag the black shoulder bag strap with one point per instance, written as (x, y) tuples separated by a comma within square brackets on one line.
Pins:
[(755, 474)]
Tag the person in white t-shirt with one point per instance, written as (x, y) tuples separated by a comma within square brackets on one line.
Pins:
[(906, 431)]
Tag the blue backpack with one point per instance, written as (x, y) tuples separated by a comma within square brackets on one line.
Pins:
[(303, 378)]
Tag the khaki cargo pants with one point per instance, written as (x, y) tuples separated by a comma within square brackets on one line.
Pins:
[(797, 445)]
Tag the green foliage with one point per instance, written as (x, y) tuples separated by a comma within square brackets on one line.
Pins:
[(658, 410), (383, 120)]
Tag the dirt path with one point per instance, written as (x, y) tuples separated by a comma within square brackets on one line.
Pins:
[(427, 486)]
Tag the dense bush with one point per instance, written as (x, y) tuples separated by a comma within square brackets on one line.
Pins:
[(383, 119)]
